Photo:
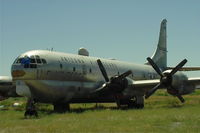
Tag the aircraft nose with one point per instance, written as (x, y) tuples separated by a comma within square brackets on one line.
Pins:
[(23, 68), (18, 73), (17, 69)]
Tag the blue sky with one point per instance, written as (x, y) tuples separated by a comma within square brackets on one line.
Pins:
[(122, 29)]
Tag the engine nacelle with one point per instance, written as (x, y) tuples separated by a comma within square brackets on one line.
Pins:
[(179, 84)]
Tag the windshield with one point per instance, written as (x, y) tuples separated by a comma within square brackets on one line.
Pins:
[(30, 62)]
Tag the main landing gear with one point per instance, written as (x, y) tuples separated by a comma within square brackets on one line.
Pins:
[(61, 107), (30, 109), (136, 103)]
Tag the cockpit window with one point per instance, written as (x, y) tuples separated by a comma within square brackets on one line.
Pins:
[(30, 62), (32, 59), (18, 60), (38, 59), (44, 61)]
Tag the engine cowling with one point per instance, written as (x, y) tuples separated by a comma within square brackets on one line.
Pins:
[(179, 84)]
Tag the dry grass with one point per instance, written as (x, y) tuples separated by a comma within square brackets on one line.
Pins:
[(161, 114)]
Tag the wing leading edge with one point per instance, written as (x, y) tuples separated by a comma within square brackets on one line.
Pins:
[(187, 68)]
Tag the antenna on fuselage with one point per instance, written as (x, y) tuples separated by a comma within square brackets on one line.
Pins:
[(50, 49)]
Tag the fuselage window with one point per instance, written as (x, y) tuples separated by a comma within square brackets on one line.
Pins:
[(144, 75), (149, 75), (74, 69), (90, 70), (61, 66), (44, 61)]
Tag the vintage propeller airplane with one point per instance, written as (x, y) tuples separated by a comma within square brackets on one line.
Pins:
[(60, 78)]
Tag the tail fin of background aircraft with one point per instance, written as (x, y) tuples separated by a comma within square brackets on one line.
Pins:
[(160, 55)]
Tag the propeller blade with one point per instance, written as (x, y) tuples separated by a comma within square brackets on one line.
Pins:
[(101, 88), (103, 70), (124, 75), (156, 68), (178, 67), (149, 93), (181, 98), (176, 93)]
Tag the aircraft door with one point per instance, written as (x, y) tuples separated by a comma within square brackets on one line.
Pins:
[(84, 69)]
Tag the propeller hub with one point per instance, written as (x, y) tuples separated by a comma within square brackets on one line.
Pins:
[(120, 83), (166, 80), (116, 83)]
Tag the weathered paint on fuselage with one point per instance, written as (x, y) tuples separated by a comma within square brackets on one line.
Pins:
[(72, 78)]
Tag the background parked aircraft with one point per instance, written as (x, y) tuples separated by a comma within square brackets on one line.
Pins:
[(7, 88)]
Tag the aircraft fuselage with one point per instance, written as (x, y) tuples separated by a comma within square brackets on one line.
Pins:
[(53, 76)]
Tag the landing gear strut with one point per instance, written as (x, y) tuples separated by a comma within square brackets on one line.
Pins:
[(30, 108), (136, 103)]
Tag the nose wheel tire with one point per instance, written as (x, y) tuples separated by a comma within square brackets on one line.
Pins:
[(30, 113), (30, 109)]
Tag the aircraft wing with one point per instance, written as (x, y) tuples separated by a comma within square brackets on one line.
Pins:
[(148, 84), (187, 68), (145, 83), (140, 85), (195, 81), (143, 86)]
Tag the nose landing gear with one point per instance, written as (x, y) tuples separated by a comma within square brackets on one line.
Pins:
[(30, 109)]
